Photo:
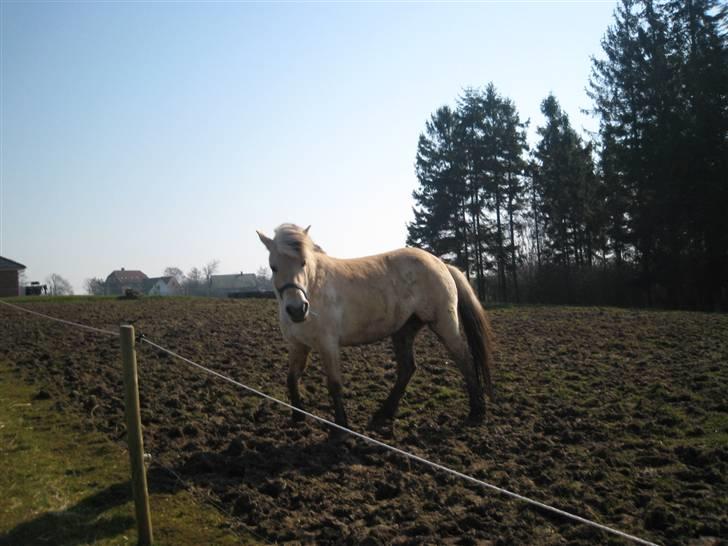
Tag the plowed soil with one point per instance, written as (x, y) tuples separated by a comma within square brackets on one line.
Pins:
[(619, 416)]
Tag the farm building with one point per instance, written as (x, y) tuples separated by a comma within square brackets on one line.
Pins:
[(224, 285), (9, 277), (162, 286), (121, 279)]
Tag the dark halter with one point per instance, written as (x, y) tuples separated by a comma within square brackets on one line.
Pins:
[(291, 285)]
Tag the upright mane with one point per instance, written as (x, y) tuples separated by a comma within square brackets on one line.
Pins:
[(292, 240)]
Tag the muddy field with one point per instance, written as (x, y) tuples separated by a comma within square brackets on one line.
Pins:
[(619, 416)]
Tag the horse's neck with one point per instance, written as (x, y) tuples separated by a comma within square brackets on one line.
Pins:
[(327, 269), (333, 270)]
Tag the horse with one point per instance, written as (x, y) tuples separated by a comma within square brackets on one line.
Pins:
[(326, 303)]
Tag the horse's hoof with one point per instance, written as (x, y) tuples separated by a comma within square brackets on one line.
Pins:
[(380, 420), (475, 418), (376, 423), (336, 435)]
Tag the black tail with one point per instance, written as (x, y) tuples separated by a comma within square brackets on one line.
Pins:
[(477, 330)]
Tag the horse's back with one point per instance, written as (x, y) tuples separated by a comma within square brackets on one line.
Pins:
[(418, 269), (426, 279), (377, 295), (404, 269)]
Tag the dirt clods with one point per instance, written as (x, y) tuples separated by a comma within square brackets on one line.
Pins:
[(619, 416)]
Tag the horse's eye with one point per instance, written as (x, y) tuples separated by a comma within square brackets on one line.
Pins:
[(303, 264), (274, 269)]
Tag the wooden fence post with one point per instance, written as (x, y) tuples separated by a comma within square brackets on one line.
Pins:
[(134, 436)]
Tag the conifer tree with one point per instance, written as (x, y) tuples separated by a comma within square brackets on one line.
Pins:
[(567, 186), (440, 225), (661, 93)]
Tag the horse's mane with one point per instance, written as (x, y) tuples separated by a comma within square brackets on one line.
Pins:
[(293, 241)]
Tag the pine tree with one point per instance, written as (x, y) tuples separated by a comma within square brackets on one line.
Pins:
[(494, 146), (699, 43), (566, 192), (513, 161), (440, 225), (662, 97), (473, 145), (470, 169)]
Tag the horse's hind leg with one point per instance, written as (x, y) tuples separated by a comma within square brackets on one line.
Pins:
[(403, 341), (447, 328), (297, 360)]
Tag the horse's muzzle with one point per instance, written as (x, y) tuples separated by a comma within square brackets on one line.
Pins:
[(298, 313)]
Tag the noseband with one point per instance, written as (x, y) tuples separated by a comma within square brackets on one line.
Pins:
[(291, 285)]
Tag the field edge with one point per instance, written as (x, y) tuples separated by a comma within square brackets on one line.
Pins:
[(65, 483)]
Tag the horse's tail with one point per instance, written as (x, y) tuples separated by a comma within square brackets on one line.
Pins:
[(477, 330)]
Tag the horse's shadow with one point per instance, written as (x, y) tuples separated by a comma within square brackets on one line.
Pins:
[(257, 462), (87, 521)]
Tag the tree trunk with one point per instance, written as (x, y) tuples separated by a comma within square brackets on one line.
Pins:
[(465, 239), (514, 272), (501, 260), (534, 206), (480, 280)]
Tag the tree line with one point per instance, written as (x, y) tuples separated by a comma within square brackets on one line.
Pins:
[(631, 215), (196, 282)]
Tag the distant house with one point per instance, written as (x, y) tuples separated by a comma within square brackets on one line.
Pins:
[(10, 277), (162, 286), (118, 281), (224, 285)]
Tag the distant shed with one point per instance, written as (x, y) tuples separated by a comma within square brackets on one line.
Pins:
[(10, 277)]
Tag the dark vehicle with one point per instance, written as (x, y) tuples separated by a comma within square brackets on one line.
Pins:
[(36, 289), (258, 294)]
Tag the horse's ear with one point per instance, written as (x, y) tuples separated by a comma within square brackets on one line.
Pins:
[(306, 230), (267, 241)]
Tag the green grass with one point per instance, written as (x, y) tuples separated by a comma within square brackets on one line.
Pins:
[(714, 432), (64, 485), (445, 393)]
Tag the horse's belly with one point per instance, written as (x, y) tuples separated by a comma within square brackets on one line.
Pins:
[(372, 328)]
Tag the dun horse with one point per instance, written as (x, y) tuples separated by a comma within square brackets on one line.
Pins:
[(326, 303)]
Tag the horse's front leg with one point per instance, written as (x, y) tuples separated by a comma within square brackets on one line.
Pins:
[(332, 368), (297, 360)]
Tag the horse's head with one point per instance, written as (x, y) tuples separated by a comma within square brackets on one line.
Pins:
[(291, 261)]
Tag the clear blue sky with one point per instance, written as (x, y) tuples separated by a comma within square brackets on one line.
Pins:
[(146, 135)]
